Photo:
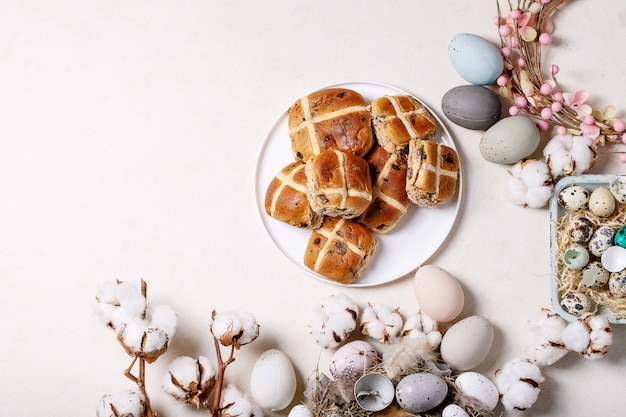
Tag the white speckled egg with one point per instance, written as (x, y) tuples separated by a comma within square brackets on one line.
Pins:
[(510, 140), (602, 202), (352, 359), (300, 410), (421, 392), (479, 387), (576, 257), (438, 293), (273, 380), (601, 240), (574, 198), (618, 189), (577, 304), (472, 107), (475, 59), (580, 230), (453, 410), (467, 343), (617, 283)]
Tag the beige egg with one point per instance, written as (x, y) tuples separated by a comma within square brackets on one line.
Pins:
[(467, 343), (438, 293), (602, 202)]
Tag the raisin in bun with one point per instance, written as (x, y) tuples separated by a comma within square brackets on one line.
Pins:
[(286, 198), (432, 172), (338, 184), (389, 199), (340, 249), (334, 118), (398, 119)]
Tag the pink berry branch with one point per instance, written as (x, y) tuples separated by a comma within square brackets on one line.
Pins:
[(524, 31)]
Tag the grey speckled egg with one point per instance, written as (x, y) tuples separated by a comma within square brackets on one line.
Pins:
[(574, 198), (618, 189), (577, 304), (510, 140), (595, 275), (601, 240), (421, 392), (617, 283), (580, 230), (471, 106)]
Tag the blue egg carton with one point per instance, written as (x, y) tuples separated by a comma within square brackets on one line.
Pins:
[(590, 182)]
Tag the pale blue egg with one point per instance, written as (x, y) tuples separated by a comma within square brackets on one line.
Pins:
[(475, 59)]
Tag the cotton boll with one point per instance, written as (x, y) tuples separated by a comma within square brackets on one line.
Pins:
[(569, 155), (544, 344), (236, 403), (189, 380), (131, 299), (576, 337), (127, 403), (530, 183), (234, 329), (333, 321), (419, 325), (519, 383), (381, 322), (163, 317)]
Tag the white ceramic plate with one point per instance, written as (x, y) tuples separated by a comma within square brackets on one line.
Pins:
[(419, 235)]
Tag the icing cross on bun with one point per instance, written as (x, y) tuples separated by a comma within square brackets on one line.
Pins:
[(286, 198), (432, 173), (340, 250), (333, 118), (398, 119)]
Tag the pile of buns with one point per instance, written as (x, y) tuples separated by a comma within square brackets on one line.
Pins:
[(357, 168)]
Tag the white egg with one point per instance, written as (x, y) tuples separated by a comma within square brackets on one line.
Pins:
[(479, 387), (273, 380), (374, 392), (352, 359), (300, 410), (453, 410), (614, 258), (421, 392), (467, 343)]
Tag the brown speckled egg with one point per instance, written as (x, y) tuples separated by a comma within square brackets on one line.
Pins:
[(577, 304), (602, 202), (580, 230), (617, 283)]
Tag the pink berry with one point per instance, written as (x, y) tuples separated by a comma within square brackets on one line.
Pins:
[(521, 102), (556, 107), (515, 14), (506, 52), (545, 39), (497, 20), (543, 125), (624, 138), (546, 88), (589, 120), (502, 80), (558, 96), (521, 63), (546, 1), (622, 157), (504, 31), (561, 130), (546, 113), (514, 42), (619, 126), (554, 69), (513, 111)]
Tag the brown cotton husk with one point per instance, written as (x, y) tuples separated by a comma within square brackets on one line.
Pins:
[(568, 280)]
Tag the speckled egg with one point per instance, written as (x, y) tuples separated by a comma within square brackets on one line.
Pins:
[(577, 304), (510, 140), (352, 359), (574, 198), (475, 59), (576, 257), (602, 202), (453, 410), (479, 387), (601, 240), (595, 275), (472, 107), (618, 189), (421, 392), (617, 283), (580, 230)]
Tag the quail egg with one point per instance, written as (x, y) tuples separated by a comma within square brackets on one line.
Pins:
[(574, 197), (580, 230), (617, 284), (577, 304), (595, 275), (576, 257), (618, 189), (602, 202), (601, 240)]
